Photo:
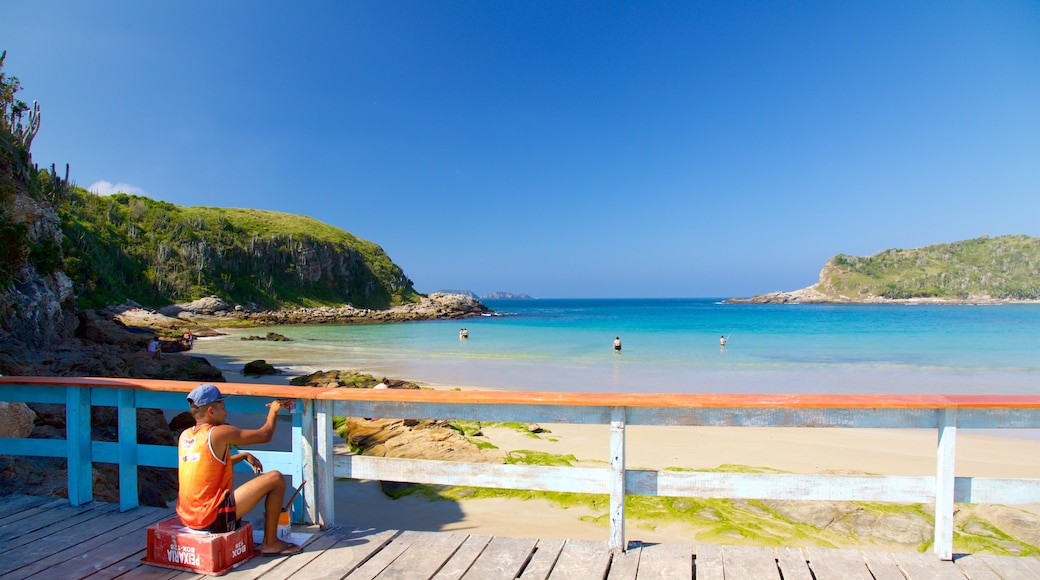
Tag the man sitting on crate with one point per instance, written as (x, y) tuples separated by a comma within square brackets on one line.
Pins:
[(206, 500)]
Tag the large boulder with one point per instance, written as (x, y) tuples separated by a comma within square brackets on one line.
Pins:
[(16, 420)]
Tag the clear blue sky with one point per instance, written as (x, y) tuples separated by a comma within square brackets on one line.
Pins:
[(561, 149)]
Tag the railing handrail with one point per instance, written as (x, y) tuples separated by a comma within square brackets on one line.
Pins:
[(567, 399), (312, 459)]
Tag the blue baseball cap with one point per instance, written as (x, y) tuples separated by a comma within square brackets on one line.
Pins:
[(203, 395)]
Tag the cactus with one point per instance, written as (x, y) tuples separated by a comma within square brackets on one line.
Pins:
[(28, 133)]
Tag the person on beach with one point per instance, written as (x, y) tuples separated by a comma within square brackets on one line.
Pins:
[(722, 341), (617, 344), (205, 499), (189, 339), (155, 348)]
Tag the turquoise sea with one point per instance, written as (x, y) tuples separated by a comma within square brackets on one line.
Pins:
[(672, 345)]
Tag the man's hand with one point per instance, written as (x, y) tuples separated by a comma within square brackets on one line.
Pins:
[(250, 459), (254, 463), (279, 404)]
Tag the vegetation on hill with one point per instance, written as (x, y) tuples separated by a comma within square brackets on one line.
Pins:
[(1002, 268), (127, 246), (19, 177)]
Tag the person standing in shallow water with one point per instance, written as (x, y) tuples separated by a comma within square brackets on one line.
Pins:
[(722, 341), (617, 344)]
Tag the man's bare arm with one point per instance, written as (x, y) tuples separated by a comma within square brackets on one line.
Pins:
[(225, 435)]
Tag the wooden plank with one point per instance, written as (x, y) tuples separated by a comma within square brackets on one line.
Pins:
[(428, 552), (625, 565), (918, 566), (708, 563), (52, 522), (975, 568), (1014, 568), (666, 561), (543, 560), (663, 400), (437, 472), (287, 567), (133, 569), (750, 562), (881, 565), (503, 558), (581, 559), (946, 451), (29, 512), (120, 567), (792, 564), (33, 521), (616, 480), (463, 558), (894, 488), (384, 557), (87, 548), (354, 547), (16, 502), (828, 564)]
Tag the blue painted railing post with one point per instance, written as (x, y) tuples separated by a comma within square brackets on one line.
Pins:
[(299, 447), (617, 478), (309, 513), (77, 436), (944, 482), (127, 449), (324, 464)]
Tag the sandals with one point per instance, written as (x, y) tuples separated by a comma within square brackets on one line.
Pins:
[(289, 550)]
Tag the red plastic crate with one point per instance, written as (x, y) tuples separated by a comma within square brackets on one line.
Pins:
[(172, 545)]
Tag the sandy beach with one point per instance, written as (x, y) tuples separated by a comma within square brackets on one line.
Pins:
[(807, 451)]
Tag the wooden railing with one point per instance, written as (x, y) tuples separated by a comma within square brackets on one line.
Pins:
[(311, 456)]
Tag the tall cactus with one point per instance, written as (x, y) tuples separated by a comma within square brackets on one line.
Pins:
[(28, 133)]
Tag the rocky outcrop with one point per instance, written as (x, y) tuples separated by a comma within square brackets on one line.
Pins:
[(350, 379), (16, 420), (213, 310), (414, 439), (259, 367)]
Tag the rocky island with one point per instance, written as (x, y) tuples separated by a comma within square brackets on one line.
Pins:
[(979, 271)]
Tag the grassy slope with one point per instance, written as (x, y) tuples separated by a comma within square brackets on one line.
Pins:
[(1006, 267), (131, 247)]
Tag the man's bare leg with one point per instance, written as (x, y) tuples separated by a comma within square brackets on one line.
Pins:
[(270, 487)]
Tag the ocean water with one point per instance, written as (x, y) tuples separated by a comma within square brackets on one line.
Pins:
[(672, 345)]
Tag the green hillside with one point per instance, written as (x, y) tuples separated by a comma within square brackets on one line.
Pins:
[(1003, 268), (131, 247)]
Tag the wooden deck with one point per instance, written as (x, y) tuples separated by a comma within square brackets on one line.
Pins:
[(48, 538)]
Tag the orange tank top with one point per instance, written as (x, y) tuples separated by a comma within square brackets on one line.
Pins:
[(204, 478)]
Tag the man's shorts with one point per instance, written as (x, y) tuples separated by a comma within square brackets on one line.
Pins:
[(225, 521)]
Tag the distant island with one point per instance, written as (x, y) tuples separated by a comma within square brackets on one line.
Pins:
[(979, 271), (506, 296), (492, 296)]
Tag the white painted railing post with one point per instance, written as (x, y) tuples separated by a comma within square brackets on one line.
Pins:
[(617, 479), (127, 449), (324, 464), (310, 512), (77, 437), (944, 481)]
